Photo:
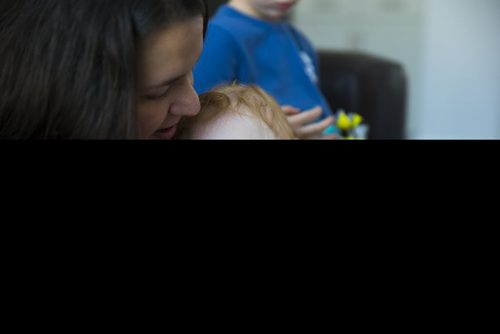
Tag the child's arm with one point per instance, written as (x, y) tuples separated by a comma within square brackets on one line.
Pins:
[(218, 62), (304, 125)]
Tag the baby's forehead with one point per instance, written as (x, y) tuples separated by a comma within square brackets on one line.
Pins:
[(234, 125), (238, 112)]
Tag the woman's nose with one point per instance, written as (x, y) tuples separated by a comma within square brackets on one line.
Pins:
[(188, 103)]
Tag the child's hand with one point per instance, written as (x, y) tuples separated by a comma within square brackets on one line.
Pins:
[(302, 123)]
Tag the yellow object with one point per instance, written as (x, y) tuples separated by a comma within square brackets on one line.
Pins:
[(348, 123), (343, 122), (356, 120)]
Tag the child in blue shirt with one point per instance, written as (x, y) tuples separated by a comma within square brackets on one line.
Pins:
[(248, 42)]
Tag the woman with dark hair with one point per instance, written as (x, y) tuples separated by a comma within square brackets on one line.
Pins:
[(98, 69)]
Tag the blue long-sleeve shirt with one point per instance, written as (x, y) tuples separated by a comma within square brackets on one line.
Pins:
[(275, 56)]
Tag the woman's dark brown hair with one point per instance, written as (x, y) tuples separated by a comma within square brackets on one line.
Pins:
[(68, 68)]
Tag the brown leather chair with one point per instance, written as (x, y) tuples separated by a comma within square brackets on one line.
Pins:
[(213, 5), (371, 86)]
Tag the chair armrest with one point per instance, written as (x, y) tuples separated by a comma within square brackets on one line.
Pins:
[(374, 87)]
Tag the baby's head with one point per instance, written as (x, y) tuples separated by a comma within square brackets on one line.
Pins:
[(237, 112)]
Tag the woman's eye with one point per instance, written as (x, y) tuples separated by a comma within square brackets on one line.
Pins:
[(156, 96)]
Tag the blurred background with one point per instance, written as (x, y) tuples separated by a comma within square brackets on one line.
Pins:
[(449, 50)]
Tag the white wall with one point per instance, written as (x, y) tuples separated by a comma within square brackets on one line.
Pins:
[(450, 49), (460, 90)]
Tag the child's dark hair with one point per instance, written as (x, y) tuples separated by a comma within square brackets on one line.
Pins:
[(68, 68)]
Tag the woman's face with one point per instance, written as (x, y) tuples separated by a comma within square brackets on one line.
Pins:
[(166, 91)]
